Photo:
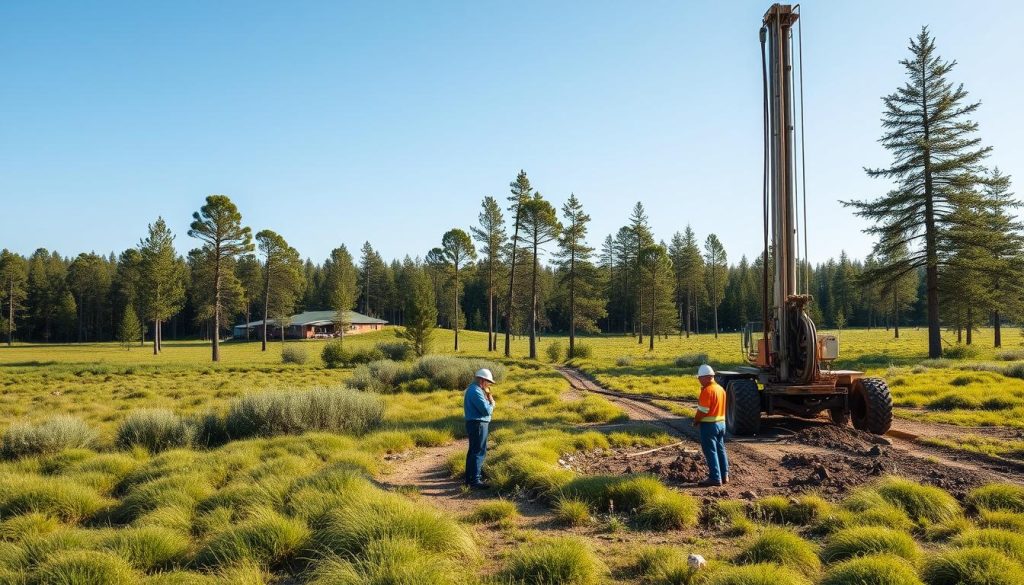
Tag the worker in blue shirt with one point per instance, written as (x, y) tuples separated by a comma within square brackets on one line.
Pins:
[(479, 404)]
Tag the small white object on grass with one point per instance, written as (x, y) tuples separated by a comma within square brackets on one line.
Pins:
[(696, 561)]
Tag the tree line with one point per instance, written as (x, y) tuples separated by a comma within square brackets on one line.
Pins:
[(949, 252)]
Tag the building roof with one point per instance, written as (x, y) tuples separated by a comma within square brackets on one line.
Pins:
[(320, 318)]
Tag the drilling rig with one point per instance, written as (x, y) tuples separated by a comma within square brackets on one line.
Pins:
[(789, 371)]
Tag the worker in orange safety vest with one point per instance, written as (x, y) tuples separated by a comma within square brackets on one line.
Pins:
[(710, 419)]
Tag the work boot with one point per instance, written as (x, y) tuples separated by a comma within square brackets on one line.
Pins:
[(709, 483), (725, 480)]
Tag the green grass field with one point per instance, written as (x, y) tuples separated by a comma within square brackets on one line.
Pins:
[(188, 498)]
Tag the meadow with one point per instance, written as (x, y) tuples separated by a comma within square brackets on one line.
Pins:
[(122, 467)]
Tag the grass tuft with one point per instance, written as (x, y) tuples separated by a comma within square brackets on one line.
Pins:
[(387, 562), (782, 547), (266, 539), (148, 548), (920, 502), (971, 566), (998, 496), (494, 511), (52, 496), (572, 512), (373, 515), (82, 567), (1009, 543), (867, 540), (872, 570), (566, 561), (762, 574)]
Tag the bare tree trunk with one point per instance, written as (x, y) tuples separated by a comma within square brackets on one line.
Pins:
[(533, 304), (216, 304), (10, 315), (456, 295), (896, 314), (266, 305), (998, 330), (970, 324), (654, 281), (572, 302), (156, 344)]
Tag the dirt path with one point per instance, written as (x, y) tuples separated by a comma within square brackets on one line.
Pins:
[(795, 455)]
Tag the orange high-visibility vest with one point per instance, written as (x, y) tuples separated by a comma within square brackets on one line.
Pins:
[(712, 403)]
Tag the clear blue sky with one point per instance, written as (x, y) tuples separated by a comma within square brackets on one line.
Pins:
[(335, 122)]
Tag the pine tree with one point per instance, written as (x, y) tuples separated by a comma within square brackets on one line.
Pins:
[(642, 237), (13, 278), (936, 167), (218, 224), (691, 270), (521, 192), (420, 312), (579, 276), (282, 279), (656, 283), (491, 235), (163, 273), (716, 273), (539, 227), (340, 280), (458, 249), (130, 328)]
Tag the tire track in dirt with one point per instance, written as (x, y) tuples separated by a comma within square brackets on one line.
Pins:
[(795, 455)]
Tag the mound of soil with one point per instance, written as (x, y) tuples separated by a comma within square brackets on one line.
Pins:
[(839, 439)]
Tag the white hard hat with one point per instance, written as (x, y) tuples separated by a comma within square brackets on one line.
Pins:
[(705, 370), (485, 374)]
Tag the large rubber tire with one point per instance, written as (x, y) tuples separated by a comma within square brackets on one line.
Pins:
[(871, 406), (742, 407)]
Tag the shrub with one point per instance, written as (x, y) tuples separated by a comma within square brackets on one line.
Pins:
[(960, 352), (395, 350), (83, 567), (971, 566), (293, 354), (1014, 371), (572, 512), (762, 574), (920, 502), (154, 429), (294, 412), (998, 496), (50, 436), (452, 373), (624, 361), (782, 547), (554, 351), (873, 570), (1006, 542), (494, 511), (866, 540), (386, 562), (1010, 355), (266, 538), (691, 360), (333, 354), (581, 351), (148, 548), (566, 561)]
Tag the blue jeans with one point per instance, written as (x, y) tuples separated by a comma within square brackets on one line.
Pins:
[(712, 441), (476, 430)]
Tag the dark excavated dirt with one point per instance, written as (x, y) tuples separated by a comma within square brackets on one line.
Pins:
[(791, 456)]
